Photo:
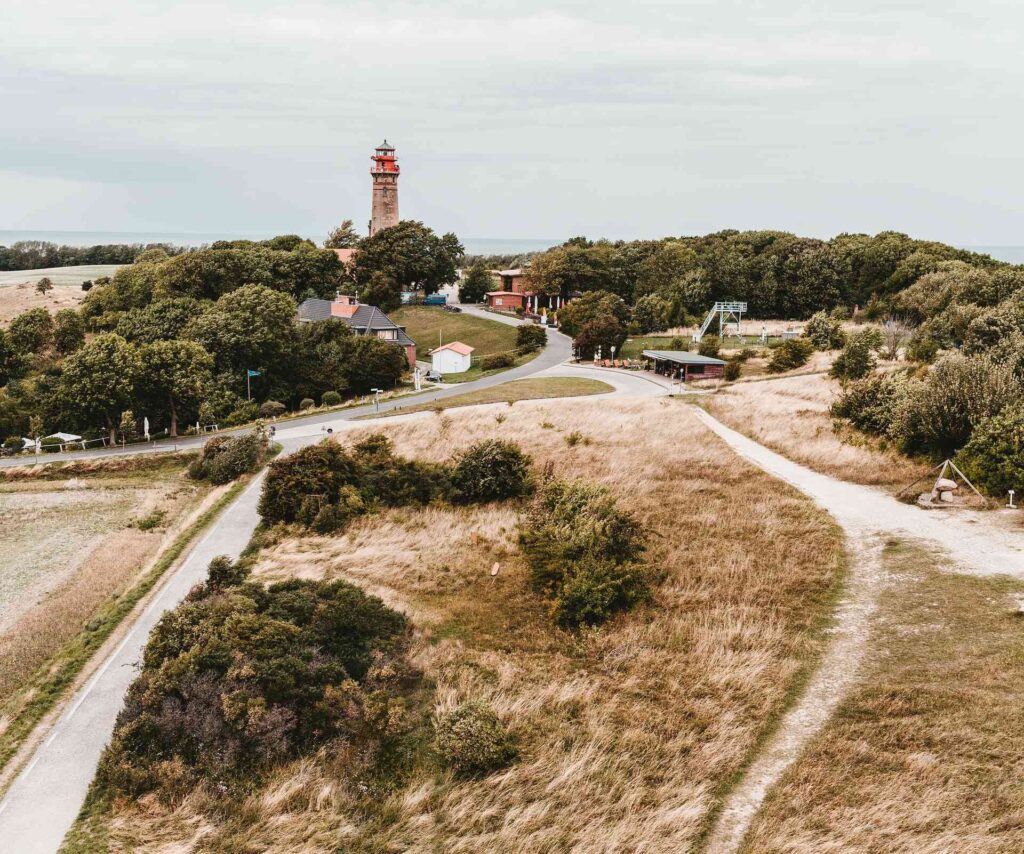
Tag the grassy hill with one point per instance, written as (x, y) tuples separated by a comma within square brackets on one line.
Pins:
[(425, 323)]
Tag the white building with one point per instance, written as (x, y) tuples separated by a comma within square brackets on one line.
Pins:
[(453, 358)]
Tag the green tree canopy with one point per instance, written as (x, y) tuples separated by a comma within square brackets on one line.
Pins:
[(342, 237), (68, 331), (477, 282), (594, 305), (410, 254), (172, 377), (98, 381), (31, 331)]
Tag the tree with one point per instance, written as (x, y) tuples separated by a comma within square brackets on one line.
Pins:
[(342, 237), (856, 360), (383, 291), (68, 331), (174, 374), (253, 327), (591, 306), (162, 320), (994, 457), (31, 331), (44, 285), (477, 282), (98, 380), (323, 358), (375, 364), (824, 331), (602, 332), (412, 255), (651, 313)]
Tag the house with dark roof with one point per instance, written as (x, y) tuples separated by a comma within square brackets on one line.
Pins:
[(364, 320), (685, 366)]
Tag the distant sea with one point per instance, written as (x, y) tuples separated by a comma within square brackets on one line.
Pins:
[(474, 245)]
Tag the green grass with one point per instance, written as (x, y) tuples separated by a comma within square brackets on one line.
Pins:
[(424, 323), (538, 388), (56, 676)]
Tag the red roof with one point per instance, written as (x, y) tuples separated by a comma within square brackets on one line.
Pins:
[(345, 255), (456, 346)]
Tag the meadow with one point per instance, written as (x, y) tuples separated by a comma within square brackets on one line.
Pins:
[(629, 735)]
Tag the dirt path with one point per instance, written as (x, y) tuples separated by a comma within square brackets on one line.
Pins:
[(971, 542)]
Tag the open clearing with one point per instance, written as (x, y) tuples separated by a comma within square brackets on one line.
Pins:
[(18, 292), (925, 753), (425, 323), (791, 416), (530, 389), (629, 735)]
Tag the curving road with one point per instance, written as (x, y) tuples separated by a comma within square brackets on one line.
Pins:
[(42, 802)]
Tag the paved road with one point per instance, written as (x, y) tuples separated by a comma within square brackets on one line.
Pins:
[(44, 799), (558, 350)]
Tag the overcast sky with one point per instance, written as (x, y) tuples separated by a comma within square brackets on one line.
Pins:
[(516, 119)]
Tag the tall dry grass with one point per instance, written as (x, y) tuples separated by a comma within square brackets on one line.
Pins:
[(628, 734), (925, 754), (791, 416)]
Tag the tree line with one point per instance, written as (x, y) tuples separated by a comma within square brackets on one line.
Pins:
[(40, 254)]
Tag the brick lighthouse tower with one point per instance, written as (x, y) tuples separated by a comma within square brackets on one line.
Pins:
[(385, 188)]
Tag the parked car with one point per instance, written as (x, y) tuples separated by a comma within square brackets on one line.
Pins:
[(434, 376), (435, 299), (453, 308)]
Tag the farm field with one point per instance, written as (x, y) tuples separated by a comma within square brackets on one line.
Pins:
[(424, 323), (629, 735), (924, 754), (791, 415), (75, 537)]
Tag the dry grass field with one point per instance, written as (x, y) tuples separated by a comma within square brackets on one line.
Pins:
[(790, 415), (14, 299), (925, 755), (629, 735), (69, 545)]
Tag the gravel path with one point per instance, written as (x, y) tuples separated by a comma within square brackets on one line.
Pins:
[(970, 541)]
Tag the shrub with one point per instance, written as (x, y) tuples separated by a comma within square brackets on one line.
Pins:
[(12, 444), (225, 458), (994, 457), (876, 404), (582, 552), (307, 403), (790, 354), (472, 740), (856, 359), (50, 445), (745, 354), (245, 412), (709, 345), (272, 409), (733, 367), (330, 398), (680, 342), (87, 285), (496, 360), (530, 337), (959, 393), (316, 470), (922, 348), (576, 438), (223, 573), (824, 331), (490, 470), (240, 676)]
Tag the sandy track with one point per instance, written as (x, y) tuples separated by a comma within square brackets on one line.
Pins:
[(971, 542)]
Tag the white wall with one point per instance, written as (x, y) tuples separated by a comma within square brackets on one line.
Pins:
[(449, 362)]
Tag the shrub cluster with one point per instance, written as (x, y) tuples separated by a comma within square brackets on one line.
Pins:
[(583, 553), (825, 331), (994, 457), (240, 676), (710, 345), (497, 360), (857, 358), (324, 486), (790, 354), (877, 404), (225, 458), (471, 740), (531, 337)]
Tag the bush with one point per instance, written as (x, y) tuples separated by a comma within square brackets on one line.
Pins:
[(530, 337), (225, 458), (582, 552), (244, 413), (240, 676), (490, 470), (994, 457), (825, 331), (745, 354), (306, 403), (496, 360), (856, 359), (733, 367), (709, 345), (877, 404), (472, 740), (222, 573), (330, 398), (680, 342), (272, 409), (12, 444), (790, 354), (921, 348)]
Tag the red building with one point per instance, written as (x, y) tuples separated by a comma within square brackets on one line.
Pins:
[(514, 282)]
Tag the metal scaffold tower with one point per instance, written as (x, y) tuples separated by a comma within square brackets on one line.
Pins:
[(727, 312)]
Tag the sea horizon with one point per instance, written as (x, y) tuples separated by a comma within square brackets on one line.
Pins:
[(474, 245)]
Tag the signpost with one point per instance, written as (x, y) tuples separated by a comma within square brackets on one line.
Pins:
[(248, 382)]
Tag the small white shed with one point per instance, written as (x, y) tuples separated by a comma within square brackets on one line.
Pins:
[(453, 358)]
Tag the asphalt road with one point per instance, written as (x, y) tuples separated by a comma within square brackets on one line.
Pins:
[(42, 802)]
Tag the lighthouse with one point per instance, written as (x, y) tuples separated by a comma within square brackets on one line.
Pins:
[(384, 172)]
